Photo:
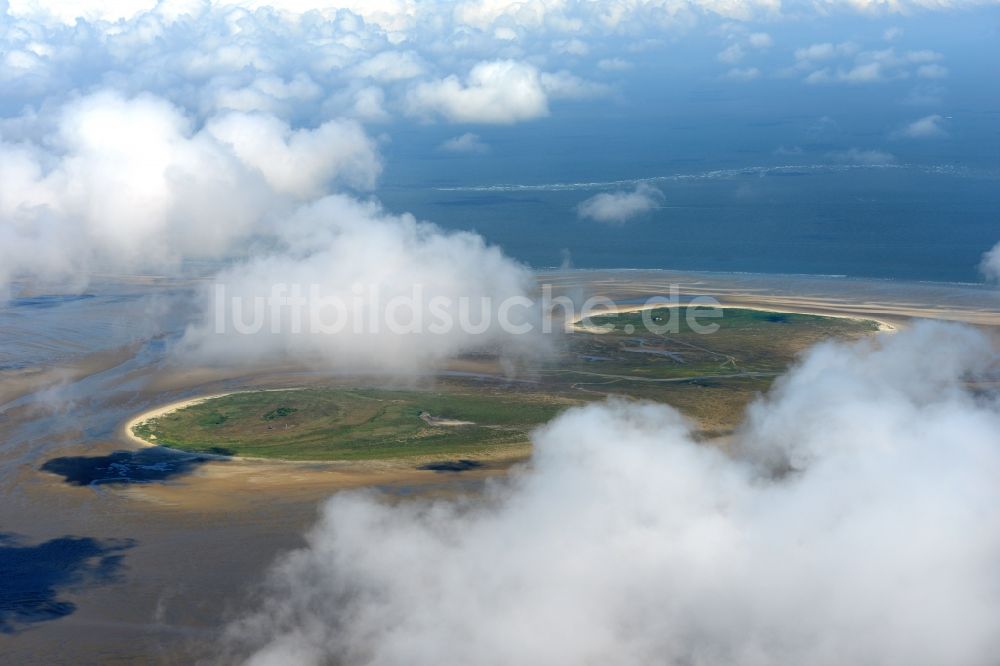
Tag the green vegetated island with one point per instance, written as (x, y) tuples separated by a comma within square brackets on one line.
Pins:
[(351, 423), (709, 377)]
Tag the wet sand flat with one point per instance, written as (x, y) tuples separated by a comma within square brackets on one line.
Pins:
[(193, 539)]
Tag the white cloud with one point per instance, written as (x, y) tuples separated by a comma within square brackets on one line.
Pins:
[(574, 47), (855, 522), (365, 259), (928, 127), (269, 94), (574, 16), (866, 73), (614, 65), (484, 13), (395, 16), (505, 34), (865, 67), (826, 51), (300, 162), (990, 266), (499, 92), (367, 105), (123, 177), (391, 66), (760, 40), (68, 11), (621, 206), (126, 183), (731, 54), (400, 19), (465, 143), (302, 60), (819, 76), (563, 85), (876, 7), (823, 51)]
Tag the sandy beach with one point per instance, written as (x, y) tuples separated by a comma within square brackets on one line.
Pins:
[(889, 303), (883, 326), (128, 430)]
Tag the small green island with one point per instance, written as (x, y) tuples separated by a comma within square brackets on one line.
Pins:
[(329, 424), (709, 377)]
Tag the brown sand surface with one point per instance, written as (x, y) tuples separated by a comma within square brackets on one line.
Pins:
[(201, 539)]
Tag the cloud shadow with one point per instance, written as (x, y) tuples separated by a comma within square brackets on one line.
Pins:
[(35, 576), (142, 466)]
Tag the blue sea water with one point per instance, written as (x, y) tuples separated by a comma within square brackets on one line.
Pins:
[(904, 222), (720, 150)]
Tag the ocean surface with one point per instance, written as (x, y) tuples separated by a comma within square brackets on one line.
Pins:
[(771, 176), (904, 222)]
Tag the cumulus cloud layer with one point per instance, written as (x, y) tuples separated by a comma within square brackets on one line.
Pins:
[(928, 127), (254, 129), (850, 63), (621, 206), (375, 292), (465, 143), (296, 60), (134, 184), (129, 183), (404, 15), (305, 58), (856, 522), (500, 91), (990, 265)]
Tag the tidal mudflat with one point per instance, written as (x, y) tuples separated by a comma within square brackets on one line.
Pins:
[(123, 520)]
